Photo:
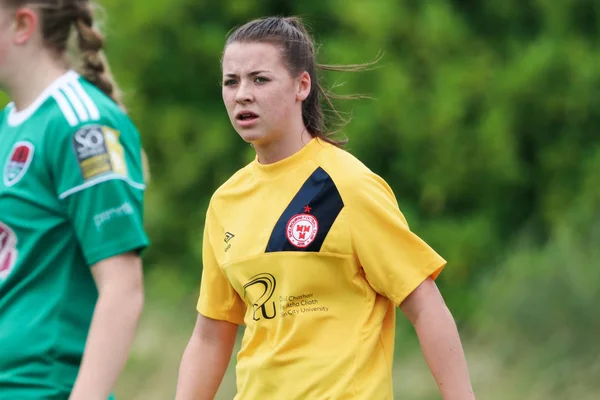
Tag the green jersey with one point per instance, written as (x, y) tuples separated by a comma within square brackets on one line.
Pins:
[(71, 195)]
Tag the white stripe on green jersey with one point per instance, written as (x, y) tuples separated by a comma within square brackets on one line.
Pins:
[(75, 103)]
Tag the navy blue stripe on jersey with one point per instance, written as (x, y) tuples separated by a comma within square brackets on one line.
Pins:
[(322, 196)]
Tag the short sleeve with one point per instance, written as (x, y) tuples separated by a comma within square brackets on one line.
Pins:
[(395, 260), (98, 178), (218, 299)]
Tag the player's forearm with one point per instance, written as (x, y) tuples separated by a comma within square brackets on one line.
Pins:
[(443, 353), (202, 368), (109, 340)]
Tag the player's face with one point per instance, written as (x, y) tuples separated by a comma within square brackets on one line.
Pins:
[(258, 91)]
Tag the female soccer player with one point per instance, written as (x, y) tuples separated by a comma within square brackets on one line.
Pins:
[(71, 199), (308, 248)]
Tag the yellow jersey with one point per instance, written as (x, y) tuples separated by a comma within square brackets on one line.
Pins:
[(312, 254)]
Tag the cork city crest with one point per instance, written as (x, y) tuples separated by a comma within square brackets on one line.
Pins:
[(18, 162)]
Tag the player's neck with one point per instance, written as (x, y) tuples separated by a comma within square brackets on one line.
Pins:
[(32, 79), (281, 149)]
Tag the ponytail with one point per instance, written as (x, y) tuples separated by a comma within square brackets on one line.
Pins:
[(93, 64)]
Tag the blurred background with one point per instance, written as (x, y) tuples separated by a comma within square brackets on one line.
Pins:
[(484, 119)]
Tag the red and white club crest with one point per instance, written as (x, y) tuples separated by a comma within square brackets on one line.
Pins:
[(8, 251), (18, 162), (302, 230)]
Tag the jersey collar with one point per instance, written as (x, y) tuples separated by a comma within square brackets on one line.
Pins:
[(16, 118), (269, 171)]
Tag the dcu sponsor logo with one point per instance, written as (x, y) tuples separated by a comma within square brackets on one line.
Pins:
[(18, 162), (259, 290)]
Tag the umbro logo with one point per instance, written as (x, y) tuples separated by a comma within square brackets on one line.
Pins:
[(228, 237)]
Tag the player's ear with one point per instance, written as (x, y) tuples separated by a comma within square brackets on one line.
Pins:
[(24, 25), (303, 86)]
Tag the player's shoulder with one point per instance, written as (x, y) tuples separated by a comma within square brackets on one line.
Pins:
[(346, 170), (237, 182), (4, 113), (78, 104), (220, 201), (356, 183)]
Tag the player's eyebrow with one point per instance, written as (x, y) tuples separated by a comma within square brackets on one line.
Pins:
[(253, 73)]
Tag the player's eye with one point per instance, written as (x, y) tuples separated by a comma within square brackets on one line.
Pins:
[(261, 79), (229, 82)]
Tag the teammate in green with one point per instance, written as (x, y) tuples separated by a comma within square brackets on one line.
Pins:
[(71, 206)]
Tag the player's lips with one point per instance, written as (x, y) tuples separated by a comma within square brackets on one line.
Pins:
[(246, 118)]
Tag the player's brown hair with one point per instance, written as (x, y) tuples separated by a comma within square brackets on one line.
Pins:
[(59, 20), (299, 55)]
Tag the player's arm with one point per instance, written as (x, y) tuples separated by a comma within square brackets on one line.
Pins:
[(205, 359), (220, 311), (120, 286), (440, 341), (404, 273), (96, 169)]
